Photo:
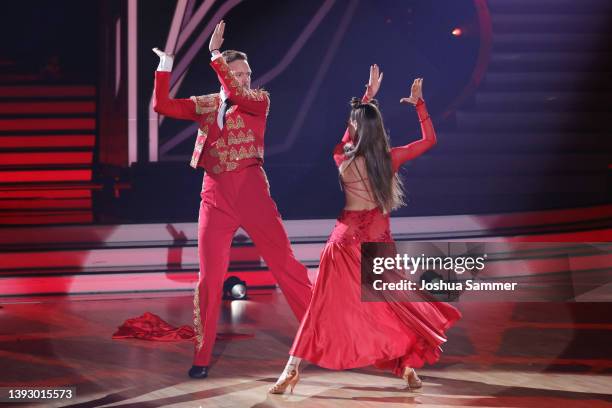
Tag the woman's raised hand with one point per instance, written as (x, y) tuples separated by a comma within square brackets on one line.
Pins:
[(416, 92), (373, 84)]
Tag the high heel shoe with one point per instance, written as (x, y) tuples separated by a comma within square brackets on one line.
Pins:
[(290, 381), (412, 379)]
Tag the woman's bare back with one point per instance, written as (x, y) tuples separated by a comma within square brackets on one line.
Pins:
[(357, 190)]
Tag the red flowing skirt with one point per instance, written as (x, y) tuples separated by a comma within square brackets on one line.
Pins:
[(339, 331)]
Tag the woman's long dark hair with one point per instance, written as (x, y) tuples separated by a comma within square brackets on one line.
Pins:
[(372, 143)]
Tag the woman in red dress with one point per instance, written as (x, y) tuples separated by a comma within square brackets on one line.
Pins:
[(339, 331)]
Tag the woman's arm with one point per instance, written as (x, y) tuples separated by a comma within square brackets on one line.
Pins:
[(402, 154), (372, 88)]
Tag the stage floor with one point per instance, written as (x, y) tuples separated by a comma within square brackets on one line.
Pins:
[(499, 355)]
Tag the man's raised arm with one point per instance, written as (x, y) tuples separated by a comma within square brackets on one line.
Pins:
[(162, 103), (238, 90)]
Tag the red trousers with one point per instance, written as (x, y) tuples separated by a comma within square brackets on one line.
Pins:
[(231, 200)]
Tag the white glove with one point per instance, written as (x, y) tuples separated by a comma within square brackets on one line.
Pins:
[(165, 60)]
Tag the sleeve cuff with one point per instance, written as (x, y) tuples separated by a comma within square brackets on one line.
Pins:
[(165, 63)]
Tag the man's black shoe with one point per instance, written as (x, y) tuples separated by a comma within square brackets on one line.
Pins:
[(198, 371)]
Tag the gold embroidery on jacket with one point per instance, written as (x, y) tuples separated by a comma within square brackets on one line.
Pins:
[(230, 156), (234, 156), (223, 156), (244, 153), (194, 161), (209, 110), (253, 94), (231, 138), (205, 103), (199, 146), (240, 138), (234, 125)]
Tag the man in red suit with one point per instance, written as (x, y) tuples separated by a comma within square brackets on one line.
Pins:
[(235, 192)]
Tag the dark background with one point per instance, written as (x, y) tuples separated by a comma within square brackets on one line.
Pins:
[(534, 134)]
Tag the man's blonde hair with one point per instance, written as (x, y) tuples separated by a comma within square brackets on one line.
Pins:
[(233, 55)]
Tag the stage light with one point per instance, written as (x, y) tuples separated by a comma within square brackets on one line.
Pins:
[(234, 289), (457, 32)]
